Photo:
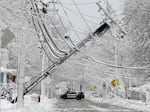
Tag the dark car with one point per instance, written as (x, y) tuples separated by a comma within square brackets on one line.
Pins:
[(72, 95)]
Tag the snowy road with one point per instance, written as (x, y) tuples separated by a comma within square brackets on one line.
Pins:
[(87, 106)]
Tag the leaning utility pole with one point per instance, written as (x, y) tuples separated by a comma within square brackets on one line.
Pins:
[(100, 31)]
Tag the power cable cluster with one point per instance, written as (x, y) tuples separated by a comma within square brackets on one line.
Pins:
[(57, 53), (39, 37), (53, 48), (45, 39), (97, 60)]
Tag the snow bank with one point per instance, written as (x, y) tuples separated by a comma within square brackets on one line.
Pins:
[(30, 105), (130, 104), (141, 93)]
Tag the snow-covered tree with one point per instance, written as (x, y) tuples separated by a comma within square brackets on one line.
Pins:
[(137, 24), (18, 16)]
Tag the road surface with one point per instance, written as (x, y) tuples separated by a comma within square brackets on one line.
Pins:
[(84, 105)]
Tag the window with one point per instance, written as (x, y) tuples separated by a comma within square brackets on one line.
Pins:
[(2, 77)]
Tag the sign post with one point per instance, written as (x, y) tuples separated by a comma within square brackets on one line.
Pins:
[(0, 67), (5, 37)]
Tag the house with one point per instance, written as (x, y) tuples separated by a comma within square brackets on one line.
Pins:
[(8, 75)]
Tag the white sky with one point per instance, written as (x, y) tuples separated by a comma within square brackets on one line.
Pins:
[(90, 10)]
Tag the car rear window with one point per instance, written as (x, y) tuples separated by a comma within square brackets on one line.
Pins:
[(73, 93)]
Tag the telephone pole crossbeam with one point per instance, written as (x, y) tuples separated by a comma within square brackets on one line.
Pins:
[(112, 21)]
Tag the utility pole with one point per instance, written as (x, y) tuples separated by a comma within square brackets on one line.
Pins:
[(21, 73), (112, 22), (42, 83), (21, 66), (109, 11), (0, 65), (2, 25), (116, 54)]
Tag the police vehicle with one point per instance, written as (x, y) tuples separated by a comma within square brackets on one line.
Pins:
[(72, 95)]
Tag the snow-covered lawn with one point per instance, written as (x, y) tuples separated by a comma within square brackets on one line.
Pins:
[(131, 104), (30, 106)]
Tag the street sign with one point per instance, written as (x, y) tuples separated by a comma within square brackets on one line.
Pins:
[(94, 88), (7, 36), (113, 83)]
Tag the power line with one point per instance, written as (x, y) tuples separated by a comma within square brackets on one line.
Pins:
[(87, 3), (50, 49), (95, 17), (69, 20), (114, 66), (82, 16), (35, 16), (45, 28), (37, 33), (106, 75), (108, 6), (40, 40), (77, 27), (64, 52), (101, 8), (79, 31), (111, 65), (60, 19), (76, 13), (65, 28), (51, 37), (62, 37), (62, 26)]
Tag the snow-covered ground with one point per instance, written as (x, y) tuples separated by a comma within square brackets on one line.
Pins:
[(131, 104), (50, 105), (30, 105)]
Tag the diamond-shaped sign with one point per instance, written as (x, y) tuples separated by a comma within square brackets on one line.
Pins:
[(7, 36)]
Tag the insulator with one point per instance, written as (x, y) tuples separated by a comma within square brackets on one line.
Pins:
[(44, 10)]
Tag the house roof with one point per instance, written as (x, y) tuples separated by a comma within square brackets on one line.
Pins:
[(8, 70)]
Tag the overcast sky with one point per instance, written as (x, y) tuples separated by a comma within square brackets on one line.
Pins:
[(87, 10)]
